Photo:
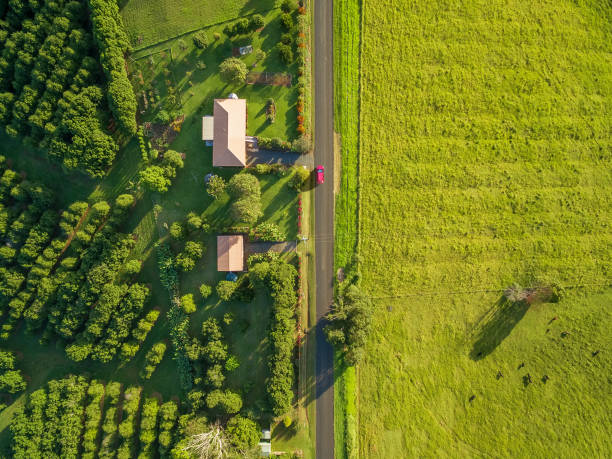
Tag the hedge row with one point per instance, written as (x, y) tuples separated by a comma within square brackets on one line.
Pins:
[(113, 42)]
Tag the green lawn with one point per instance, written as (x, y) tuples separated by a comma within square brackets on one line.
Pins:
[(149, 22), (176, 62), (485, 160)]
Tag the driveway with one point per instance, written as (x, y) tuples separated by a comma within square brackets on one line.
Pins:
[(251, 248), (279, 157)]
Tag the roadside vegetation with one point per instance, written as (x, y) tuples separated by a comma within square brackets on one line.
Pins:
[(347, 55), (484, 162), (347, 40), (151, 22)]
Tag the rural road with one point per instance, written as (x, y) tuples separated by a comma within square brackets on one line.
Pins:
[(324, 221)]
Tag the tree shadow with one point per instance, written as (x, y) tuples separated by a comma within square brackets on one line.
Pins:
[(495, 326)]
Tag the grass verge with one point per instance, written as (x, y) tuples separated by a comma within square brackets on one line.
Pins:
[(347, 18), (347, 42), (485, 161)]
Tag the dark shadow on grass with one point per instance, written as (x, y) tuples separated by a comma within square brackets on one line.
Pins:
[(495, 326)]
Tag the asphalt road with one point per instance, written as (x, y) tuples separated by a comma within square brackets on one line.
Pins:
[(324, 220)]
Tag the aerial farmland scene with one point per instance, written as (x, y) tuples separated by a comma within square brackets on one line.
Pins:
[(331, 229)]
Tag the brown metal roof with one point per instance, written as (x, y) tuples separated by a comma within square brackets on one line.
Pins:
[(230, 253), (229, 147)]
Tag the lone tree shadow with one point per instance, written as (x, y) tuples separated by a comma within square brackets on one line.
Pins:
[(496, 325)]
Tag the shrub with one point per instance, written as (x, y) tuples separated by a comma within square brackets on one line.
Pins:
[(124, 201), (243, 185), (12, 382), (188, 304), (172, 160), (225, 289), (216, 186), (192, 252), (224, 402), (286, 21), (246, 210), (269, 232), (287, 6), (177, 231), (200, 39), (233, 71), (133, 267), (243, 433), (194, 222), (205, 291), (299, 179), (271, 110), (163, 117), (242, 26), (285, 53), (232, 363), (154, 178), (301, 145), (153, 359), (256, 22), (286, 39)]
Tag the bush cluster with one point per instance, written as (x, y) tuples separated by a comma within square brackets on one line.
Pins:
[(158, 177), (63, 419), (350, 318), (268, 232), (113, 43), (153, 359), (139, 334), (189, 256), (11, 379), (244, 26), (216, 186), (279, 278), (200, 39), (246, 193)]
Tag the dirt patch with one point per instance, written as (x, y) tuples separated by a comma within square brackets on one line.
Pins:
[(162, 135), (269, 79)]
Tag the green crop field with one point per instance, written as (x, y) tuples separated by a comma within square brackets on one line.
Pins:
[(486, 159), (149, 22)]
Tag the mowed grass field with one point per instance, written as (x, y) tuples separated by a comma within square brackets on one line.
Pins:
[(150, 22), (486, 159)]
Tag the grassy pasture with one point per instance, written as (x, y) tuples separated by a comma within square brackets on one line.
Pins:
[(485, 160), (149, 22)]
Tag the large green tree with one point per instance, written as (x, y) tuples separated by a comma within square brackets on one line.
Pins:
[(233, 70)]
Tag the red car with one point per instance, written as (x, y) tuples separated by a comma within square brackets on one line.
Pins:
[(320, 173)]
